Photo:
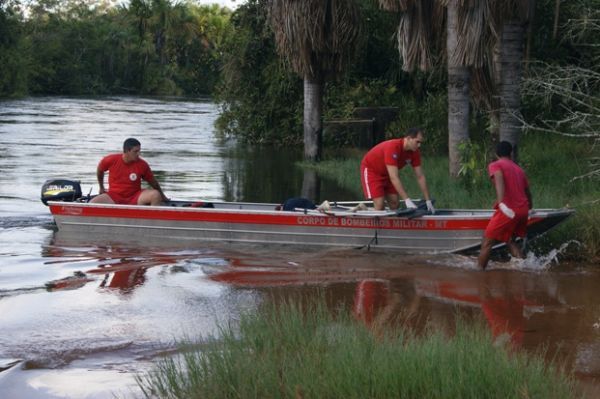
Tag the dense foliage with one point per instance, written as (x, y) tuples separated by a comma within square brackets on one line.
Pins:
[(97, 47), (169, 47), (261, 100)]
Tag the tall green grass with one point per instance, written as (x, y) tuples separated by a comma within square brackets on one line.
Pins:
[(553, 166), (305, 351)]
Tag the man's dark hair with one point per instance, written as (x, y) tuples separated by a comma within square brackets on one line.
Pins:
[(413, 132), (503, 149), (130, 143)]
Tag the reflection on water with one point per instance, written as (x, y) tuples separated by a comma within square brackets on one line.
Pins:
[(118, 307), (79, 316)]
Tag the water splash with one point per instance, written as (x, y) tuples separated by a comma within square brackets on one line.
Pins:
[(454, 260), (532, 262), (538, 263)]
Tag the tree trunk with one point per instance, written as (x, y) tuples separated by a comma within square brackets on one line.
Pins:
[(497, 78), (530, 20), (311, 185), (510, 91), (313, 124), (458, 94), (556, 18)]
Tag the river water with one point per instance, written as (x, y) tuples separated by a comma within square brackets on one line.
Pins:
[(79, 318)]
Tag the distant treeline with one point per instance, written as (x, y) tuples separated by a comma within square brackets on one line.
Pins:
[(71, 47), (177, 47)]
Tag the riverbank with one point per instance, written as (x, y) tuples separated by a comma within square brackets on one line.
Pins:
[(299, 349), (556, 168)]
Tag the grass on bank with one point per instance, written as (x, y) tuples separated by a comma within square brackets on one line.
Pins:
[(553, 167), (305, 351)]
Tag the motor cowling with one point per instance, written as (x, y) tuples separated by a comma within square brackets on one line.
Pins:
[(61, 190)]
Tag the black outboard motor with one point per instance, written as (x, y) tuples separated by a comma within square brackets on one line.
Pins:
[(61, 190)]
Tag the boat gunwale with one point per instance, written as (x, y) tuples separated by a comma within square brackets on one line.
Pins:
[(442, 214)]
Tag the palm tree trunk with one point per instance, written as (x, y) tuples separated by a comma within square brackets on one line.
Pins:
[(458, 94), (311, 185), (529, 41), (497, 78), (313, 124), (556, 18), (513, 33)]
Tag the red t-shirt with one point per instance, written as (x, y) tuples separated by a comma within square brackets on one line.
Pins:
[(515, 183), (125, 179), (390, 152)]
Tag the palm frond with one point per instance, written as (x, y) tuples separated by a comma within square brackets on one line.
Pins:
[(415, 34), (518, 10), (316, 37)]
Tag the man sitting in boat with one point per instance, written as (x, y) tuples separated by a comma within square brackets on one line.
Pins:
[(125, 174), (380, 166), (513, 202)]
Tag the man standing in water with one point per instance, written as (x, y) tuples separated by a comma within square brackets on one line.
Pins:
[(380, 166), (125, 174), (513, 202)]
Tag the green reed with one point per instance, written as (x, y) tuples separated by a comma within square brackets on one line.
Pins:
[(296, 350)]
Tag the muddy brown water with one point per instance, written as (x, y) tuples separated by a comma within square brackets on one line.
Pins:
[(80, 316)]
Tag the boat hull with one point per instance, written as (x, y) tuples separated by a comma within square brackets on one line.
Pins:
[(448, 231)]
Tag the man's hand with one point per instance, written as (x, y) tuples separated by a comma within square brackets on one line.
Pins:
[(506, 210), (409, 204), (430, 207)]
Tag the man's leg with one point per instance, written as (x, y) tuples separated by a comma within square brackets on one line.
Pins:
[(378, 204), (486, 250), (393, 201), (149, 197), (102, 199), (515, 249)]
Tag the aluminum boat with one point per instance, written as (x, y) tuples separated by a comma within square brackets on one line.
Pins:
[(340, 225)]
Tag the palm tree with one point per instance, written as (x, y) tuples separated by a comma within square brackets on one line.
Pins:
[(421, 23), (514, 15), (317, 38), (458, 91)]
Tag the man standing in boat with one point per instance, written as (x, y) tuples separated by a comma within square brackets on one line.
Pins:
[(125, 174), (513, 202), (380, 166)]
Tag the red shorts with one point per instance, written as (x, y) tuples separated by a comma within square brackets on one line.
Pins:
[(375, 185), (119, 199), (502, 228)]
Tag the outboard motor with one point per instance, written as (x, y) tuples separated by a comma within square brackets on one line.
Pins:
[(61, 190)]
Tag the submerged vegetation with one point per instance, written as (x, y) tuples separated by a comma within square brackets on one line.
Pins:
[(303, 350)]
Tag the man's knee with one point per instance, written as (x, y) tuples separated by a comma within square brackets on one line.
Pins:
[(102, 199), (148, 197), (378, 203), (393, 201)]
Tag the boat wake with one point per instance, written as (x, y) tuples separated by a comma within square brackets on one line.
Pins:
[(23, 222)]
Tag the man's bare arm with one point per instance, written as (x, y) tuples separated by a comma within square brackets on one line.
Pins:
[(395, 179), (422, 181), (529, 198), (155, 185), (100, 177), (499, 185)]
